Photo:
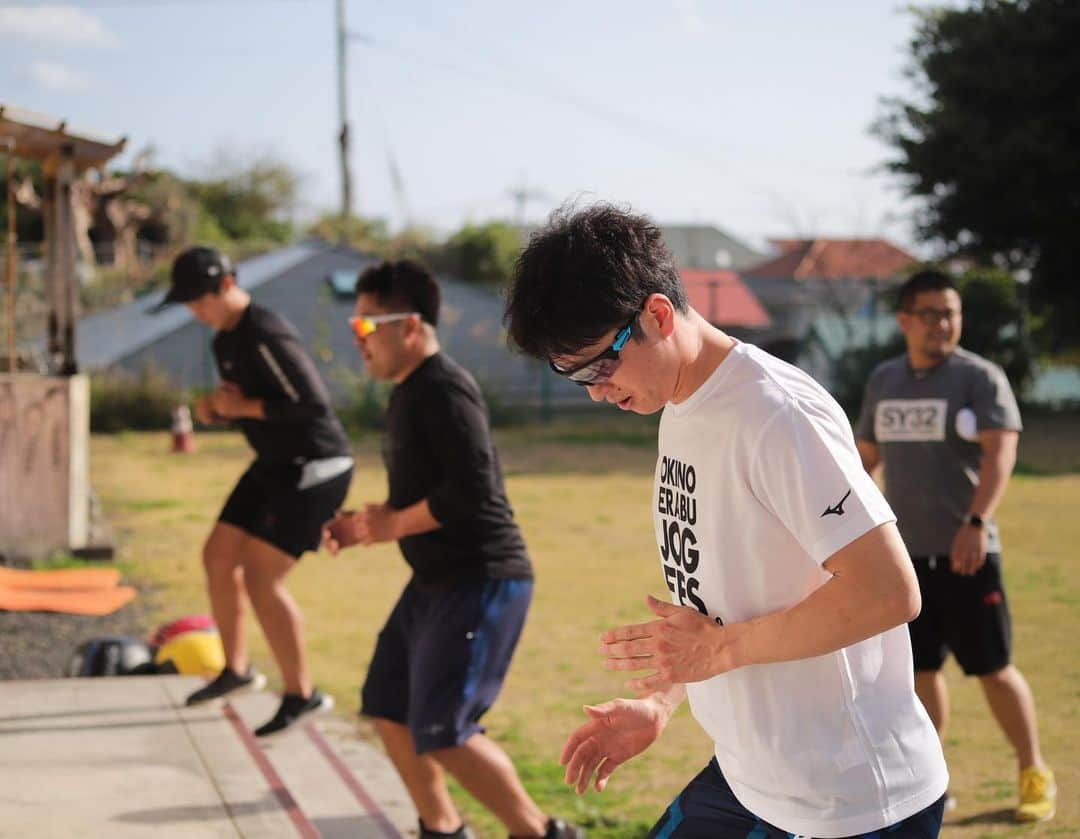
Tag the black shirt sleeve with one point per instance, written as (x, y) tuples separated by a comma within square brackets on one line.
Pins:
[(302, 396), (456, 425)]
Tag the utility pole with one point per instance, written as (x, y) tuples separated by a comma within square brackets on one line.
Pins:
[(343, 118), (522, 195)]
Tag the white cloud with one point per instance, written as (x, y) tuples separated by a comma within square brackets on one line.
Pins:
[(55, 76), (55, 25), (689, 17)]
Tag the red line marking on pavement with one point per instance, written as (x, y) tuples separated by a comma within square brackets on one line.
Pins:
[(350, 781), (300, 821)]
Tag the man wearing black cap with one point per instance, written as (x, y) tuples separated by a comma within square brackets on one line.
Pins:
[(303, 465)]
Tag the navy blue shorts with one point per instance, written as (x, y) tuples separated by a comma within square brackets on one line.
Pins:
[(708, 809), (441, 659), (967, 615), (267, 503)]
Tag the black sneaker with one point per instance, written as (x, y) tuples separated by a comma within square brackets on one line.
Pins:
[(558, 829), (227, 683), (463, 832), (292, 709)]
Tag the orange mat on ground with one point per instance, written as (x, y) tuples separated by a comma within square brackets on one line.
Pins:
[(102, 601), (63, 578)]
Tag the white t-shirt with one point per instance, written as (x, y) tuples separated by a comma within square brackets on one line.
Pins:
[(758, 482)]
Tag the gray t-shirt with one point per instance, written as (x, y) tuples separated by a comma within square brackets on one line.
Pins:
[(926, 425)]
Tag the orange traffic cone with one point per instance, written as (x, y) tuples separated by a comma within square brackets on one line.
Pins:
[(183, 434)]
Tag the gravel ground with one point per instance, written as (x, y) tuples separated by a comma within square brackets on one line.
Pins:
[(38, 645)]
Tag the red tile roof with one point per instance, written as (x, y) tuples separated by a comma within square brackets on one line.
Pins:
[(722, 298), (833, 259)]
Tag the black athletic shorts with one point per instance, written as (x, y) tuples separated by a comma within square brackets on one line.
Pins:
[(968, 615), (708, 809), (441, 659), (269, 504)]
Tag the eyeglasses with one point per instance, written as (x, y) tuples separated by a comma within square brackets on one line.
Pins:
[(931, 317), (600, 368), (362, 327)]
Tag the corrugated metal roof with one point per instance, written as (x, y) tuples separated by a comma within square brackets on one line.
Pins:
[(297, 282), (106, 337)]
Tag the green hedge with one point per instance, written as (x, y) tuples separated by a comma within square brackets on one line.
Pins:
[(145, 402)]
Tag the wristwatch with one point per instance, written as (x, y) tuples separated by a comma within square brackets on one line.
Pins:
[(975, 520)]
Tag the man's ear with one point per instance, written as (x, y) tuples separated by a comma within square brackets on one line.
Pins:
[(661, 313), (414, 327)]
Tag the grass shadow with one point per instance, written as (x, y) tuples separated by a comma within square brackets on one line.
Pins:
[(1005, 815)]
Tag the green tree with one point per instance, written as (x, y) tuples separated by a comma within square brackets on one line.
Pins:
[(362, 234), (249, 200), (993, 322), (482, 254), (373, 236), (990, 143)]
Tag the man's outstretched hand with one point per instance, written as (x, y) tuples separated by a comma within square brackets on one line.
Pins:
[(616, 731)]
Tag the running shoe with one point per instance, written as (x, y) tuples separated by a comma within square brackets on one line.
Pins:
[(294, 708), (227, 683), (1038, 795)]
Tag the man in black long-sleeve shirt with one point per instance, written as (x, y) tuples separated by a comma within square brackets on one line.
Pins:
[(445, 649), (301, 474)]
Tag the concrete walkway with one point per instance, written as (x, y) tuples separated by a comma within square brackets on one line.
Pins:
[(122, 757)]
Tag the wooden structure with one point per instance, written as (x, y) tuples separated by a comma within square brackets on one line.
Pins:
[(45, 419), (44, 464), (63, 156)]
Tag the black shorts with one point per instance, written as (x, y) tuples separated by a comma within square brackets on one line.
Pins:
[(268, 504), (968, 615), (708, 809), (441, 659)]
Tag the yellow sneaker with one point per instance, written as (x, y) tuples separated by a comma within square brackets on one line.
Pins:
[(1038, 795)]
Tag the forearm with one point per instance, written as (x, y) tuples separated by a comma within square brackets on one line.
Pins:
[(866, 596), (415, 519), (252, 409), (993, 480), (261, 409)]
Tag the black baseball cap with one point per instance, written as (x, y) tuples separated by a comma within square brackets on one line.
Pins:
[(195, 272)]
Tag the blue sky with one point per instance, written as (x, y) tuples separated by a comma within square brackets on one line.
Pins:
[(750, 115)]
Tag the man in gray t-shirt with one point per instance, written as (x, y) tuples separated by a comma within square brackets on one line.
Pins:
[(926, 425), (944, 424)]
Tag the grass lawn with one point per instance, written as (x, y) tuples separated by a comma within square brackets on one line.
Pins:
[(581, 493)]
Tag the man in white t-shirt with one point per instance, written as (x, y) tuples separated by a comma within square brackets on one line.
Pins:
[(790, 586)]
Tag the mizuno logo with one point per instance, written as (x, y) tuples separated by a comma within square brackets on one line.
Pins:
[(838, 507)]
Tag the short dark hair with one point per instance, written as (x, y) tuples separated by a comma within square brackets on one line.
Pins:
[(583, 274), (929, 279), (405, 283)]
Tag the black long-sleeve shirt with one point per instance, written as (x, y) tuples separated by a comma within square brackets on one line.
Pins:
[(438, 446), (264, 357)]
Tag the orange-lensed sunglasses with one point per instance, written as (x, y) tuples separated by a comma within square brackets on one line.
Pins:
[(362, 327)]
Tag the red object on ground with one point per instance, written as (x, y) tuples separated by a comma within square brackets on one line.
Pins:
[(191, 623), (183, 431)]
